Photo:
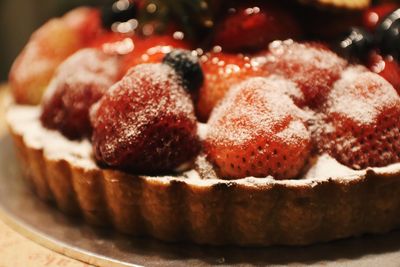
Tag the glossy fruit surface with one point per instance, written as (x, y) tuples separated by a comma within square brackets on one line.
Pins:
[(375, 14), (221, 72), (251, 26), (151, 49)]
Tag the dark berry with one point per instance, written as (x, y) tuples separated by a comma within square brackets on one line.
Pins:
[(187, 66), (388, 35), (355, 44), (119, 11)]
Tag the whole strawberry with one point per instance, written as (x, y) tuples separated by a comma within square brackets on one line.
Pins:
[(311, 66), (145, 123), (78, 83), (258, 131), (362, 120)]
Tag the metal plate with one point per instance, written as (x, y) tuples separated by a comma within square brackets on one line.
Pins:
[(44, 224)]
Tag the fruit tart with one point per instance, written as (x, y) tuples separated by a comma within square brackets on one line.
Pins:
[(216, 123)]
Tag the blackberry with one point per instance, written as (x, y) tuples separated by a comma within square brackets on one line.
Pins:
[(388, 35), (187, 66), (355, 44)]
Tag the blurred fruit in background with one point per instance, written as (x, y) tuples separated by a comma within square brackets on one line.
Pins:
[(19, 18)]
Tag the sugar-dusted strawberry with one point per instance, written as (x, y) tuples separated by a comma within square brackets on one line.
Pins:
[(221, 71), (151, 49), (258, 131), (251, 26), (145, 123), (387, 67), (79, 82), (362, 120), (375, 14), (47, 48), (311, 66)]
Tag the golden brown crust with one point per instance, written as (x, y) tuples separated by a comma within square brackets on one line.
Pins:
[(223, 212), (339, 4)]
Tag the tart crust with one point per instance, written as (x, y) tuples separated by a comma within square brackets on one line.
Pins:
[(245, 212)]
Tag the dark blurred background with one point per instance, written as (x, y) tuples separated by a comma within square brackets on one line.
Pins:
[(19, 18)]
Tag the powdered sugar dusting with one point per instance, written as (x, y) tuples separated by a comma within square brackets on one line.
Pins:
[(265, 106), (156, 78), (324, 167), (24, 121), (87, 66), (145, 123), (79, 82), (311, 66), (361, 96), (258, 130), (294, 132)]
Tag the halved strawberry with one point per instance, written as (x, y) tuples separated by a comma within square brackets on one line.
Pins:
[(362, 120), (145, 123), (251, 26), (221, 71), (258, 131), (313, 67)]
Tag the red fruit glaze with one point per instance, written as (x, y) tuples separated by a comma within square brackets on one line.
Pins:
[(311, 66), (145, 123), (373, 15), (78, 83), (252, 26), (362, 119), (151, 50), (258, 131), (387, 67), (221, 71)]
